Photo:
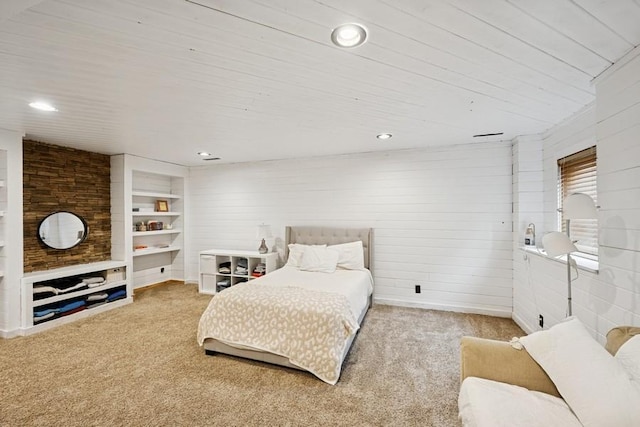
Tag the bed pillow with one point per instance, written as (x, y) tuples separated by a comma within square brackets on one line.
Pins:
[(350, 255), (629, 357), (594, 384), (295, 254), (320, 259)]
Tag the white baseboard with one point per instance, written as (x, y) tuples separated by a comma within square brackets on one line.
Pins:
[(10, 334), (444, 307), (524, 325)]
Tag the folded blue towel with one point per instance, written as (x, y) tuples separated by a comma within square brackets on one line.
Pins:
[(71, 306), (117, 295)]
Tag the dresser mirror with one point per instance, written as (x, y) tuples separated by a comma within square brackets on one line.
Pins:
[(62, 230)]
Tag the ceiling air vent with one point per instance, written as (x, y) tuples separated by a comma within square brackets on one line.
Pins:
[(488, 134)]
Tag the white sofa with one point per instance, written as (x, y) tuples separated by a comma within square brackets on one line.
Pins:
[(559, 377)]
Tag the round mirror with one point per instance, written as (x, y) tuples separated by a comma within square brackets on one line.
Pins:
[(62, 230)]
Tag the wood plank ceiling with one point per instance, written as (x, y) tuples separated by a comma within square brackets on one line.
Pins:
[(260, 79)]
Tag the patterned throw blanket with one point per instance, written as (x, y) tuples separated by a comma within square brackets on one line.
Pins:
[(310, 328)]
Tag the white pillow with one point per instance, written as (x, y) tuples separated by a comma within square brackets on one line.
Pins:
[(629, 357), (295, 254), (317, 258), (350, 255), (591, 381)]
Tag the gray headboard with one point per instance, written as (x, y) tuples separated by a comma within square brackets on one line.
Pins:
[(330, 236)]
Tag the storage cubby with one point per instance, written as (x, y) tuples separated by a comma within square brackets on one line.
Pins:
[(212, 279), (55, 297)]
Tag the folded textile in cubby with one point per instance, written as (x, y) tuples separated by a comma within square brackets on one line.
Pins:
[(96, 304), (40, 292), (117, 295), (45, 312), (37, 319), (94, 282), (98, 296), (71, 306), (75, 287), (75, 310)]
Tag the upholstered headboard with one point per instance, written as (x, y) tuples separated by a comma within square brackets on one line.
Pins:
[(330, 236)]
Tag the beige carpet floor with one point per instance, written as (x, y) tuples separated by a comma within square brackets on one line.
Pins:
[(140, 365)]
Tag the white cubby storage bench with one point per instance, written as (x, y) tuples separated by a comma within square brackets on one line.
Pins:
[(70, 293)]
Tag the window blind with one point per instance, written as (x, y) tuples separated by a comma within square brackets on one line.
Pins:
[(577, 173)]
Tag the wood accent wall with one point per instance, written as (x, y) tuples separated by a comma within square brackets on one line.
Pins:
[(65, 179)]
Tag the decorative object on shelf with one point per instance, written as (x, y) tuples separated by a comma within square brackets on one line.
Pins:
[(530, 235), (574, 206), (162, 206), (141, 226), (264, 232), (154, 225)]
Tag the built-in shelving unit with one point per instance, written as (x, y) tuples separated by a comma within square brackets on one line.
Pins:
[(114, 288), (145, 191)]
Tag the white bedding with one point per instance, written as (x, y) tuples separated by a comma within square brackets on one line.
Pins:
[(307, 317), (356, 285)]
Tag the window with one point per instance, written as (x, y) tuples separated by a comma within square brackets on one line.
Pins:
[(577, 173)]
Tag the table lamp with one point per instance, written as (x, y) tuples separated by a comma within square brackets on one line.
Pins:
[(264, 232)]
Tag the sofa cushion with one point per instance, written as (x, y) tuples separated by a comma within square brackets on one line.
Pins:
[(629, 357), (486, 403), (591, 381)]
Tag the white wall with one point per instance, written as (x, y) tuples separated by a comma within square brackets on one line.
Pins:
[(612, 296), (11, 230), (441, 217)]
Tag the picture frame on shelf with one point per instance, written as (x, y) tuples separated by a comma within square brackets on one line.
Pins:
[(162, 206)]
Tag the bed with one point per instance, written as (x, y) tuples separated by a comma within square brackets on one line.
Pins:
[(304, 315)]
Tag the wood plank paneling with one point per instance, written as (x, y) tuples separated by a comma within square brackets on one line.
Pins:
[(611, 297), (453, 240), (249, 80)]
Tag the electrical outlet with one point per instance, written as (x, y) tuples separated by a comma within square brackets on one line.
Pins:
[(418, 289), (541, 320)]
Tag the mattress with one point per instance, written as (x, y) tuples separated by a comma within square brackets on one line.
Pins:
[(287, 310)]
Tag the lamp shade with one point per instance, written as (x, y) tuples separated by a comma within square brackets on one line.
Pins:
[(557, 244), (263, 232), (579, 206)]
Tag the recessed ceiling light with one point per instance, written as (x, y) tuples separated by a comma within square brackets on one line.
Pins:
[(42, 106), (203, 154), (384, 136), (349, 35)]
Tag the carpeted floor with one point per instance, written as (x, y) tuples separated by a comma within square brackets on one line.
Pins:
[(140, 365)]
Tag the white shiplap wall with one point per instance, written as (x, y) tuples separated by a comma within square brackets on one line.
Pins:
[(611, 297), (441, 217), (11, 225)]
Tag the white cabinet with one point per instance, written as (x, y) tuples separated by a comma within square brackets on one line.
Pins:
[(54, 297), (219, 269)]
